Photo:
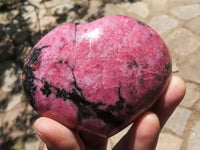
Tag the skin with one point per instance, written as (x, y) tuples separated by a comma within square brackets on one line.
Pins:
[(143, 135)]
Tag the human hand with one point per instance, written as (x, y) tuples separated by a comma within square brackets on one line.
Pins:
[(143, 135)]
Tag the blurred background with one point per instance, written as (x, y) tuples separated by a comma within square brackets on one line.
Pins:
[(24, 22)]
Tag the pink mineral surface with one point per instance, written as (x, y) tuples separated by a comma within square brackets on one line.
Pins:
[(97, 77)]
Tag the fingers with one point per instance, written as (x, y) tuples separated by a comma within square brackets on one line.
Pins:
[(56, 136), (145, 131), (173, 95), (143, 135)]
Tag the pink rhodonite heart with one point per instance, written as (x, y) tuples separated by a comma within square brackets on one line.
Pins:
[(97, 77)]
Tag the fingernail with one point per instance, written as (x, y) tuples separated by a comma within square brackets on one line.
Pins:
[(37, 132), (42, 137), (150, 115)]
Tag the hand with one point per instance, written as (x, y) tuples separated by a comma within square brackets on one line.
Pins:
[(143, 135)]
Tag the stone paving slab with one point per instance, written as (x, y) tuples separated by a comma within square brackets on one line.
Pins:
[(190, 69), (194, 139), (178, 121), (25, 23), (192, 95), (186, 12), (163, 23), (169, 142), (176, 39), (193, 25)]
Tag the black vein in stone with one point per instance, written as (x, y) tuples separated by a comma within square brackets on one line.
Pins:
[(85, 107), (28, 84), (34, 55), (158, 76), (61, 93), (132, 64), (119, 104), (141, 23), (168, 66), (75, 83), (46, 89), (75, 31), (129, 109)]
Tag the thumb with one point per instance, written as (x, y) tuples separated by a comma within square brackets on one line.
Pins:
[(56, 136)]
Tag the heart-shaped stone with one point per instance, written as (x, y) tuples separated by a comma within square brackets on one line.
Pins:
[(97, 77)]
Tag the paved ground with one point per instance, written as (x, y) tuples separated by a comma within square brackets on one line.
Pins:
[(25, 22)]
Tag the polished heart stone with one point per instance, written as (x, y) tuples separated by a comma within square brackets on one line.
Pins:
[(97, 77)]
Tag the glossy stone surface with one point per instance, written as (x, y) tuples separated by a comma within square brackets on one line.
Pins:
[(99, 76)]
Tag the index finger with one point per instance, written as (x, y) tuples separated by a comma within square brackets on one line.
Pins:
[(168, 102)]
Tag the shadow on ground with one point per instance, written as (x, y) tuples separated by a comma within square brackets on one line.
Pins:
[(16, 41)]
